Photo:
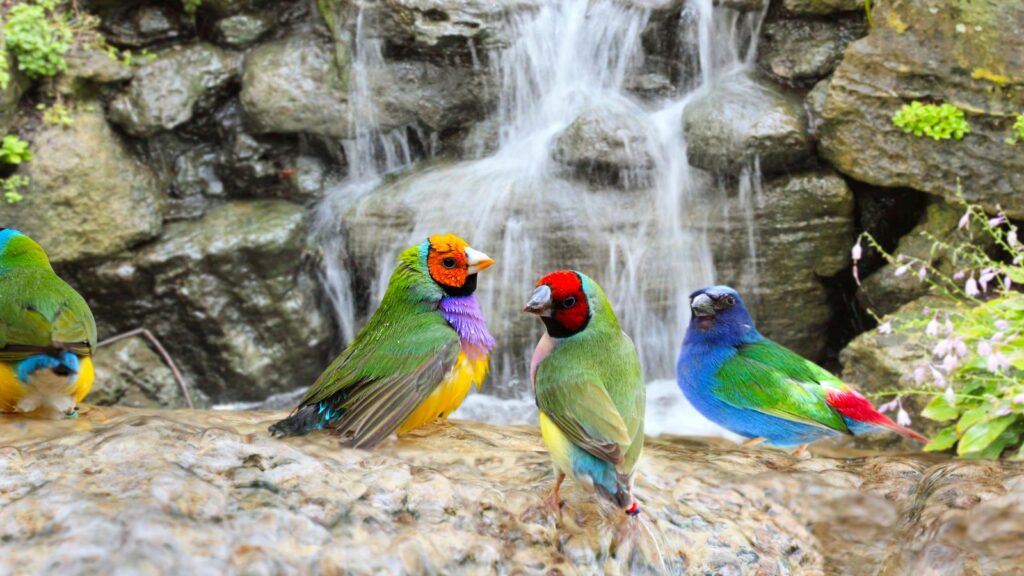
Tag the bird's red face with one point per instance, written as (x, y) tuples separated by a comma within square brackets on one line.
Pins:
[(561, 303)]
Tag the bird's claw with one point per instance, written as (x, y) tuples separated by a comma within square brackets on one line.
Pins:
[(73, 415)]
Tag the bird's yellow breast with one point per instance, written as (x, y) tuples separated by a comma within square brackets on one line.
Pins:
[(449, 394), (559, 445), (13, 390)]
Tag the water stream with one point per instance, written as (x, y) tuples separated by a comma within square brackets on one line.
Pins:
[(568, 58)]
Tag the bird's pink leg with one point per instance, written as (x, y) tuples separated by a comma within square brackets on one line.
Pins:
[(800, 451), (753, 442), (553, 499)]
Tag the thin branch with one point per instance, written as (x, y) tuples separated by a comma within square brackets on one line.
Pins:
[(163, 354)]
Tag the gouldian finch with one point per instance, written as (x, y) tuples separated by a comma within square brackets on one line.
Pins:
[(47, 333), (589, 388), (414, 361), (756, 388)]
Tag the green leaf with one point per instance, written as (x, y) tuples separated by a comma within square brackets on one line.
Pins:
[(979, 436), (994, 450), (944, 440), (972, 417), (940, 410)]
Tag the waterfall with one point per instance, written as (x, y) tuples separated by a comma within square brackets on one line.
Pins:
[(567, 59)]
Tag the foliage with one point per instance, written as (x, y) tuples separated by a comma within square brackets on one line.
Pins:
[(39, 36), (11, 186), (14, 150), (867, 10), (56, 115), (191, 6), (976, 368), (937, 121), (5, 73), (130, 59), (1018, 130)]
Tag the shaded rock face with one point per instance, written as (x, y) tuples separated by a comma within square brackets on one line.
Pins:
[(776, 245), (441, 27), (228, 295), (129, 373), (88, 196), (741, 120), (209, 492), (297, 85), (169, 91), (606, 146), (884, 292), (969, 54)]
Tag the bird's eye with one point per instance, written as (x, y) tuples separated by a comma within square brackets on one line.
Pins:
[(728, 300), (448, 262), (569, 302)]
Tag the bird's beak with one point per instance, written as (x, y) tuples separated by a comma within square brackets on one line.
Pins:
[(702, 306), (477, 260), (540, 301)]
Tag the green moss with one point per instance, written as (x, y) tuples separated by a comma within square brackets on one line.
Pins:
[(937, 121), (39, 36), (1017, 130)]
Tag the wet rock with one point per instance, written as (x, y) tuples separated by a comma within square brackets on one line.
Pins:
[(741, 120), (228, 295), (10, 96), (875, 362), (439, 97), (208, 492), (806, 51), (650, 85), (228, 8), (814, 103), (87, 66), (129, 373), (964, 53), (195, 181), (821, 7), (242, 30), (607, 146), (884, 292), (469, 27), (88, 196), (171, 90), (297, 85), (143, 25), (742, 5), (791, 233)]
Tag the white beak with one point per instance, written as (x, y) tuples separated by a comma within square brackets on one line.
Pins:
[(477, 260)]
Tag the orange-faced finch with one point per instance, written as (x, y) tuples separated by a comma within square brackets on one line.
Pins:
[(754, 387), (414, 361), (589, 389)]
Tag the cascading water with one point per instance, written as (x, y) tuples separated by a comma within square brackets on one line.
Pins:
[(567, 60)]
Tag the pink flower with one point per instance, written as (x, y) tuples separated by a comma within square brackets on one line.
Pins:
[(949, 395), (902, 270), (997, 362), (932, 329), (885, 328), (1007, 282), (959, 275), (949, 363), (889, 406), (986, 276), (902, 418), (984, 349), (1011, 237), (856, 252), (949, 326), (959, 347), (1004, 412), (919, 375), (922, 273), (1018, 399), (941, 348), (972, 286), (997, 221), (940, 381), (964, 220), (1002, 324)]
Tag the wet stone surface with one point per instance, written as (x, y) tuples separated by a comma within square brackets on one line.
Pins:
[(209, 493)]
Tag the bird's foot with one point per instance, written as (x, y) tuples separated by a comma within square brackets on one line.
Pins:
[(554, 498), (71, 414), (753, 442), (801, 452)]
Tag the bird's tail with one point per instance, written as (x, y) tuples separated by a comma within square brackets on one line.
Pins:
[(620, 492), (305, 419), (888, 423), (860, 414)]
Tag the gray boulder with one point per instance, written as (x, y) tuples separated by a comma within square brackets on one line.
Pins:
[(228, 295), (10, 96), (822, 7), (606, 146), (129, 373), (444, 27), (172, 89), (438, 97), (962, 52), (806, 50), (297, 85), (88, 196), (143, 24), (741, 119), (775, 245), (242, 30)]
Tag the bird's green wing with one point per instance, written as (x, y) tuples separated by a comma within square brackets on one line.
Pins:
[(387, 371), (584, 412), (39, 312), (769, 378)]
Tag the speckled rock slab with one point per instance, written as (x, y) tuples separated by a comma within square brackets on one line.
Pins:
[(197, 492)]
